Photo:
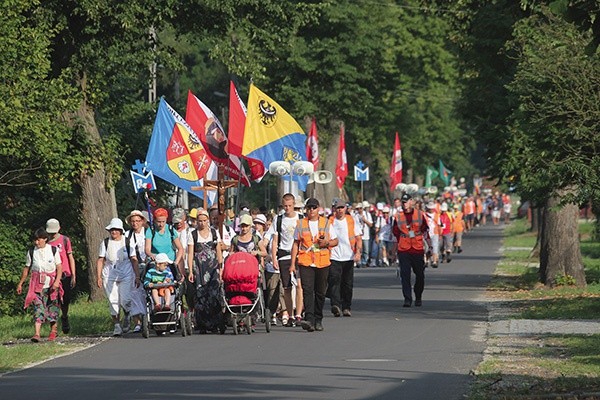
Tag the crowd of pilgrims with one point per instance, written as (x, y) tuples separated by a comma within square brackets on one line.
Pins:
[(193, 244)]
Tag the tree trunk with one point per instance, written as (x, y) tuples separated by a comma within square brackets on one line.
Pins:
[(560, 254), (98, 203), (536, 226)]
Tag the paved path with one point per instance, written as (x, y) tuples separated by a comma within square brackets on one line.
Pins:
[(383, 352)]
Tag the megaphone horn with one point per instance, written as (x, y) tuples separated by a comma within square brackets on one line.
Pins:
[(322, 176)]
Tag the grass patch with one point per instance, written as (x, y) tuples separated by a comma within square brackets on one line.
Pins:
[(17, 356), (86, 319)]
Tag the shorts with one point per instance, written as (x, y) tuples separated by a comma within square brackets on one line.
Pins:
[(161, 291), (284, 271), (435, 244)]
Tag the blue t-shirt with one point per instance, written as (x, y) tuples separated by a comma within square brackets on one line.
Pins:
[(162, 243)]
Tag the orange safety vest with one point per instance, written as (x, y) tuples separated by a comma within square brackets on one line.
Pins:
[(405, 242), (307, 254), (351, 235), (458, 221)]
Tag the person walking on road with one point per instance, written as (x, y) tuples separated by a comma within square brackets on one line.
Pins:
[(281, 249), (69, 273), (411, 229), (343, 256), (313, 239)]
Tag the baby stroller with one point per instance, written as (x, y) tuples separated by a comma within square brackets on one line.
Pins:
[(161, 322), (243, 294)]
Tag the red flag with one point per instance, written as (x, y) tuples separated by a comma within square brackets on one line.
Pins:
[(341, 169), (237, 121), (312, 145), (212, 135), (396, 167), (237, 124)]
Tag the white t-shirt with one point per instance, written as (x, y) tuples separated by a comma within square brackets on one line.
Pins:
[(138, 241), (343, 251), (366, 230), (268, 235), (288, 226), (43, 261), (385, 228), (116, 257)]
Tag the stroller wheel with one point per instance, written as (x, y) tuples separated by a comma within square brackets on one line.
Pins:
[(222, 329), (188, 323), (267, 320), (183, 325), (145, 328), (235, 328), (248, 323)]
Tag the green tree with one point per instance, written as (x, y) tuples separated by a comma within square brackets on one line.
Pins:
[(380, 68), (553, 145)]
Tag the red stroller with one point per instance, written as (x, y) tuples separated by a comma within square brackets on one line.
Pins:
[(244, 300)]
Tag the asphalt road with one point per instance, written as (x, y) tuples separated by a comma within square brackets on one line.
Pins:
[(383, 351)]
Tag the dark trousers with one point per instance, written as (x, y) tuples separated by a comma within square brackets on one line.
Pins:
[(314, 287), (341, 283), (66, 300), (415, 263), (272, 292)]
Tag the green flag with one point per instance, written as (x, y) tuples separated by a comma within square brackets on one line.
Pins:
[(445, 173), (430, 176)]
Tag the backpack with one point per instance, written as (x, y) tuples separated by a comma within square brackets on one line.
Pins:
[(213, 232), (31, 249), (236, 239), (126, 246)]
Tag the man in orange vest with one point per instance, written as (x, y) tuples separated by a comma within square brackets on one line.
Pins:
[(343, 256), (411, 229), (313, 239)]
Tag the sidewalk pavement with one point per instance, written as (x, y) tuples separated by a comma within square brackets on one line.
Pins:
[(528, 327)]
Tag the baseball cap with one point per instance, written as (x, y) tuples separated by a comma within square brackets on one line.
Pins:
[(312, 202), (261, 219), (337, 202), (178, 215), (52, 226), (405, 197), (246, 219)]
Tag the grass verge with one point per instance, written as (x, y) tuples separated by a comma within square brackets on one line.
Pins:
[(86, 319), (546, 366)]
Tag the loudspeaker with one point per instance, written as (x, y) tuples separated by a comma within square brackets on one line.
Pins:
[(279, 168), (303, 168), (322, 176)]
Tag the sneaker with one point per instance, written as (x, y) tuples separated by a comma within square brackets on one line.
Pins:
[(418, 303), (66, 328), (459, 250), (157, 308), (434, 265), (407, 303), (448, 258), (318, 326), (274, 321), (35, 338), (118, 330), (298, 320), (126, 323), (166, 308), (137, 328), (335, 310), (285, 320), (52, 336), (347, 313)]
